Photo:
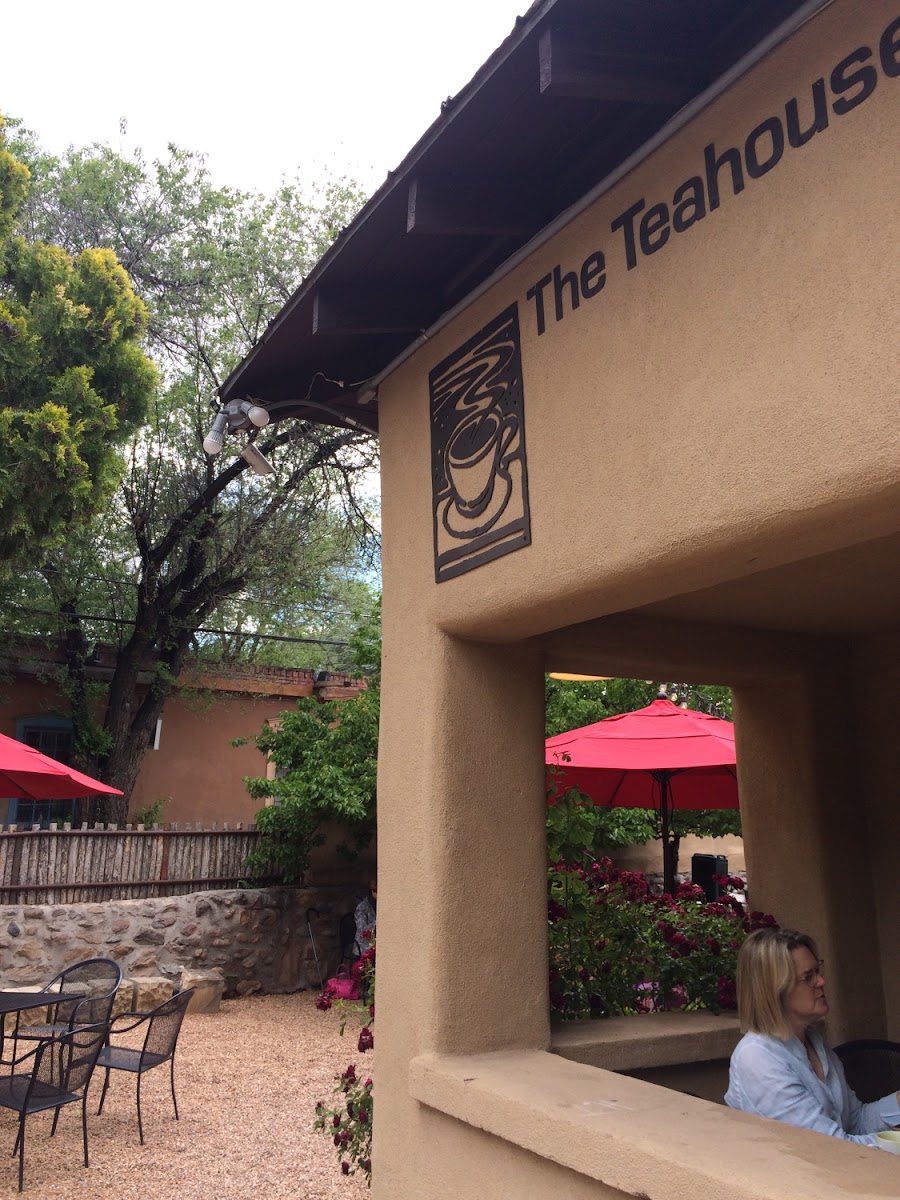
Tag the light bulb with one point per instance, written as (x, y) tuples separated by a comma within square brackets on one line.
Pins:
[(212, 443), (258, 415)]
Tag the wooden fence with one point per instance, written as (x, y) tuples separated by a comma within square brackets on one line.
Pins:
[(103, 862)]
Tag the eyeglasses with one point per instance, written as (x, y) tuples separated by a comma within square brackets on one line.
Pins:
[(809, 977)]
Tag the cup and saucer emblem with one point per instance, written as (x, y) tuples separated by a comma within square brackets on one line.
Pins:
[(479, 475)]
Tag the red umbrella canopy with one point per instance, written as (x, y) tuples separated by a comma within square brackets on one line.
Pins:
[(26, 774), (622, 760)]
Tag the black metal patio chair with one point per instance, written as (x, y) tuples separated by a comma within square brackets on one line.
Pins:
[(872, 1067), (82, 994), (160, 1041), (60, 1075)]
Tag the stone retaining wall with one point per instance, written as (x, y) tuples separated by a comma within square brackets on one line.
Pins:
[(256, 938)]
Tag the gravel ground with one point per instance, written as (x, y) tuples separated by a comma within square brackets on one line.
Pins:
[(247, 1080)]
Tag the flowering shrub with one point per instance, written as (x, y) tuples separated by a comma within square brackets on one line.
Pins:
[(350, 1124), (615, 948), (349, 1121)]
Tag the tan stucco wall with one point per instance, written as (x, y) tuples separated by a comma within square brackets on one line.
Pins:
[(196, 770), (461, 872), (196, 765), (816, 736), (719, 408), (806, 837), (726, 407), (27, 698), (648, 857), (875, 797)]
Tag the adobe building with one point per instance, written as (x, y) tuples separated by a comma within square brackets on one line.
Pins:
[(191, 764), (626, 319)]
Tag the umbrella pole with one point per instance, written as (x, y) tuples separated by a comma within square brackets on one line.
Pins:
[(662, 778)]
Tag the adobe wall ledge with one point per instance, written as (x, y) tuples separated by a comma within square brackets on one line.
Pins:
[(644, 1140), (652, 1040)]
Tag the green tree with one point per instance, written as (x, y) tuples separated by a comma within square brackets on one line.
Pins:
[(188, 542), (254, 624), (74, 380), (326, 759)]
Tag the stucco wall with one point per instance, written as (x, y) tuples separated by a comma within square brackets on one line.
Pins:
[(648, 857), (873, 796), (725, 407), (196, 765), (196, 771)]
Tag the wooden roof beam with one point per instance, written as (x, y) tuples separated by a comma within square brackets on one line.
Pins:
[(569, 68), (473, 206), (357, 309)]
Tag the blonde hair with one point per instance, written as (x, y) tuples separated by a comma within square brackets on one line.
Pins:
[(765, 975)]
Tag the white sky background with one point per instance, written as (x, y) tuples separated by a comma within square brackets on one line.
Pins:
[(265, 88)]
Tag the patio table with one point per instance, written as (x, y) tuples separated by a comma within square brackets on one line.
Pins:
[(11, 1002), (15, 1001)]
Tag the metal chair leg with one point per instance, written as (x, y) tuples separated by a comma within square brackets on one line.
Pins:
[(21, 1141), (84, 1126), (172, 1082), (140, 1123), (55, 1122), (103, 1093)]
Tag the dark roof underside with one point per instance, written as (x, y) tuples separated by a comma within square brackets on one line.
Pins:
[(577, 87)]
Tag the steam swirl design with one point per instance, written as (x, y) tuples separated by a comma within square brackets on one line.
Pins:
[(478, 450)]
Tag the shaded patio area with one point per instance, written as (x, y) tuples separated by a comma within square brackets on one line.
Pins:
[(247, 1079)]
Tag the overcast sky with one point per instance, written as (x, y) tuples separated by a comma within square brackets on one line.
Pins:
[(264, 88)]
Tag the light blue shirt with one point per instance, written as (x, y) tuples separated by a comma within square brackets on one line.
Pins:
[(364, 915), (774, 1079)]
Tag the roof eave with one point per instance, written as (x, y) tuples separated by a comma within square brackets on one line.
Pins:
[(396, 178)]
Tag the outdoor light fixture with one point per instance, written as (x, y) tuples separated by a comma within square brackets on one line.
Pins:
[(255, 413), (257, 461), (233, 417), (243, 415), (212, 443)]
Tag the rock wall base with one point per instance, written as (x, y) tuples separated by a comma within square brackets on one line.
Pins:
[(257, 939)]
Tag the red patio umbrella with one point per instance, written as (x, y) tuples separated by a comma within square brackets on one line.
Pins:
[(26, 774), (661, 757)]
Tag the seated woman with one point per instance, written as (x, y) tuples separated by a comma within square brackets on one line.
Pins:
[(781, 1067), (365, 915)]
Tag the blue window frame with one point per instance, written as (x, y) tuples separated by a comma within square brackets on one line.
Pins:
[(51, 735)]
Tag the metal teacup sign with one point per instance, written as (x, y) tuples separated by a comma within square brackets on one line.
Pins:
[(479, 478), (478, 471)]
